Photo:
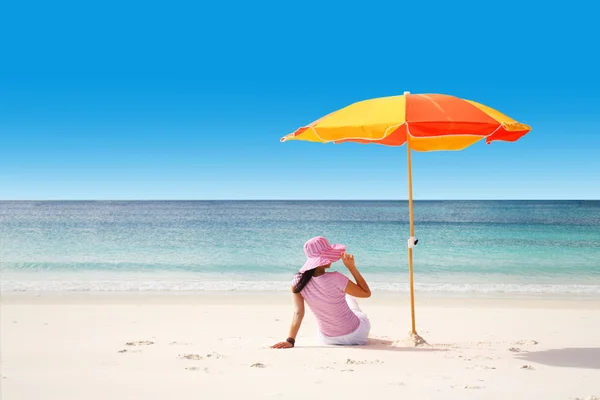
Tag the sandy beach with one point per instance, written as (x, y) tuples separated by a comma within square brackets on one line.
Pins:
[(216, 346)]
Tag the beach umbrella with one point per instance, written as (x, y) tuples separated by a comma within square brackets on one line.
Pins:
[(425, 122)]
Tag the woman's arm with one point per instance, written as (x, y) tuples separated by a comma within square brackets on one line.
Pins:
[(360, 288), (296, 322)]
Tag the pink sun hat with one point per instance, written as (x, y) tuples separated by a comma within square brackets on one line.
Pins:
[(319, 252)]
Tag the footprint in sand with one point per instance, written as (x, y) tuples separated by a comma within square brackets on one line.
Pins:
[(180, 343), (139, 343), (129, 351), (351, 361), (516, 350), (191, 357), (205, 369), (526, 367), (447, 345), (525, 343), (199, 357), (467, 387), (258, 365), (481, 367)]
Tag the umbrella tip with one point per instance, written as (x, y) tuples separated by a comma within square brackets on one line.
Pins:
[(406, 92)]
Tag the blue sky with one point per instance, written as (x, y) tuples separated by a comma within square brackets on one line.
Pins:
[(173, 100)]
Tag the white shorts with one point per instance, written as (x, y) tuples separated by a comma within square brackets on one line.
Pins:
[(358, 337)]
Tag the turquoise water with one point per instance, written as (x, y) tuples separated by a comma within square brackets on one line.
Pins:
[(464, 246)]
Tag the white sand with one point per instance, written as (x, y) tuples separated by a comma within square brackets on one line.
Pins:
[(71, 347)]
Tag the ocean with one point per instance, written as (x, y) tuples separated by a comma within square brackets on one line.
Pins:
[(465, 247)]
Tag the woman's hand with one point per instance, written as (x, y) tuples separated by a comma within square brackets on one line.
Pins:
[(360, 288), (282, 345), (348, 260)]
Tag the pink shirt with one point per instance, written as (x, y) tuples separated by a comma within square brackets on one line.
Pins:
[(326, 297)]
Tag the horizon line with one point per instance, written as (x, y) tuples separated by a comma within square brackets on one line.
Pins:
[(312, 200)]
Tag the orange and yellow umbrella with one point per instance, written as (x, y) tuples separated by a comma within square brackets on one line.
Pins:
[(432, 121), (425, 122)]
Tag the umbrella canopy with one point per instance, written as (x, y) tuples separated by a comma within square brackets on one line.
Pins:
[(433, 122), (426, 122)]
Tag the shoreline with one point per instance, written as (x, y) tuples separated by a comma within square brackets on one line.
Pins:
[(270, 297)]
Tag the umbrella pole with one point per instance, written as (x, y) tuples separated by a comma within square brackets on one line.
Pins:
[(414, 339), (412, 234)]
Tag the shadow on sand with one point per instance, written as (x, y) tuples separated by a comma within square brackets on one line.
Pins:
[(385, 345), (569, 357)]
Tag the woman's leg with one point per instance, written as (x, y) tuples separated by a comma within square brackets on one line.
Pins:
[(360, 336)]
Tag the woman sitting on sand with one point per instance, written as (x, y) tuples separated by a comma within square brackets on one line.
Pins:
[(330, 296)]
